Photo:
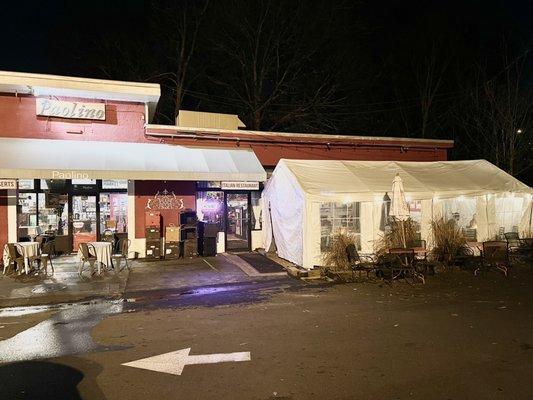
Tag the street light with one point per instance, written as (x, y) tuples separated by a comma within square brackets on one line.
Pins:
[(519, 131)]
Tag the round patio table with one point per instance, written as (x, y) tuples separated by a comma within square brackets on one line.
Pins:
[(29, 250), (103, 254)]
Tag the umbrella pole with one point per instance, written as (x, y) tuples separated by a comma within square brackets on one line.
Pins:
[(403, 234)]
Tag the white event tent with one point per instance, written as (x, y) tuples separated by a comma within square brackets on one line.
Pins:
[(305, 202)]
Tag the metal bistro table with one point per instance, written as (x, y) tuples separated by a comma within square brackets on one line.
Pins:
[(29, 250), (103, 250)]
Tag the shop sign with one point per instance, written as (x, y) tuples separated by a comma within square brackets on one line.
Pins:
[(8, 183), (239, 185), (70, 109)]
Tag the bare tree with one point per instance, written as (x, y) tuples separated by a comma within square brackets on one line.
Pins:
[(497, 117), (268, 51)]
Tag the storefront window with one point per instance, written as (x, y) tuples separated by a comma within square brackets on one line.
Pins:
[(210, 207), (338, 218), (53, 213), (114, 184), (208, 184), (27, 213), (114, 212), (26, 184), (53, 184), (257, 220)]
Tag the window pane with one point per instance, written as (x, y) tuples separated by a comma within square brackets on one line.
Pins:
[(27, 213), (210, 207), (114, 184), (25, 184), (208, 184), (53, 184), (53, 213), (84, 181), (114, 212), (338, 218)]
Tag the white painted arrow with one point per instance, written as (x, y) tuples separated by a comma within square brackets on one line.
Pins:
[(175, 361)]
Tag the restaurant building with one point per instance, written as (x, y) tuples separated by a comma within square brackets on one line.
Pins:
[(80, 156)]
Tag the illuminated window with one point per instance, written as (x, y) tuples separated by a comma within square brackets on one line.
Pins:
[(210, 207), (338, 218)]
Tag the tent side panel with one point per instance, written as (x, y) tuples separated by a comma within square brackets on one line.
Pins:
[(286, 201)]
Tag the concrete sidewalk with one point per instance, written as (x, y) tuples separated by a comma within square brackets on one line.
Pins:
[(163, 276), (64, 286)]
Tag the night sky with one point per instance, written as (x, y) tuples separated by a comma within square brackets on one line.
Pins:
[(367, 61)]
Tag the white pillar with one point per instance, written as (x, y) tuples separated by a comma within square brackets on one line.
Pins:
[(12, 225)]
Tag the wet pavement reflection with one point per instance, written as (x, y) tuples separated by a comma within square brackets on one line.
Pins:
[(66, 332)]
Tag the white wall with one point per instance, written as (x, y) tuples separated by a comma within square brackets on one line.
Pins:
[(12, 216)]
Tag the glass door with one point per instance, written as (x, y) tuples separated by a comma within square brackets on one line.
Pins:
[(237, 222), (84, 222)]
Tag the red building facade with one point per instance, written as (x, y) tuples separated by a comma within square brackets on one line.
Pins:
[(128, 109)]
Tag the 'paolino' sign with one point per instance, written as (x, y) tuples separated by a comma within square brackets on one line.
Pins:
[(70, 109)]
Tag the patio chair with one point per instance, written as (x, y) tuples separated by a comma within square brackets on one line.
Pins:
[(15, 257), (122, 254), (359, 263), (109, 236), (513, 240), (88, 254), (46, 256), (495, 254)]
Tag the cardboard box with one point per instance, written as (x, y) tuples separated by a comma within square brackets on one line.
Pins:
[(172, 250), (152, 233), (153, 249), (172, 234), (152, 219)]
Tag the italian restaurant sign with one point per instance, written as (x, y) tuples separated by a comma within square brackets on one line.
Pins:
[(70, 109), (8, 184), (239, 185)]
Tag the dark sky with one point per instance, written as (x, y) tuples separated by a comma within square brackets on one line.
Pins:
[(51, 36)]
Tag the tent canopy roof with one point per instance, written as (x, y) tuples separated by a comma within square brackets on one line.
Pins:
[(328, 178)]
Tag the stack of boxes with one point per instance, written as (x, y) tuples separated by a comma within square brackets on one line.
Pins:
[(188, 239), (153, 234), (172, 242), (189, 233)]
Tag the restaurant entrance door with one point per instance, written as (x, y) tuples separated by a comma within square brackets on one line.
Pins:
[(84, 222), (237, 221)]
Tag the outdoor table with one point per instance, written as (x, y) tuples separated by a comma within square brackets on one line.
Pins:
[(103, 250), (29, 249), (407, 264)]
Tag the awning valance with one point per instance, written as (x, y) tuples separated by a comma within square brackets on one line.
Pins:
[(73, 159)]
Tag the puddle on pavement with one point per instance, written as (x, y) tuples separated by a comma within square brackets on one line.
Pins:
[(67, 332)]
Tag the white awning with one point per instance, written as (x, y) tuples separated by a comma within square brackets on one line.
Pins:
[(72, 159)]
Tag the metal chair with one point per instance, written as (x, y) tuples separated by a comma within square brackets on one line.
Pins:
[(109, 236), (495, 254), (45, 257), (123, 246), (15, 257), (513, 240), (402, 264), (88, 254), (357, 262)]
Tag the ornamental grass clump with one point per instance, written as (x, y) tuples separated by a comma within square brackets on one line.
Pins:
[(448, 240), (394, 236), (335, 257)]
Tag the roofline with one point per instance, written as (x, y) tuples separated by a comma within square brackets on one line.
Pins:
[(244, 132), (90, 88)]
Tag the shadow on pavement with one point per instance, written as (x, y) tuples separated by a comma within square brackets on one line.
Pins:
[(44, 380)]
